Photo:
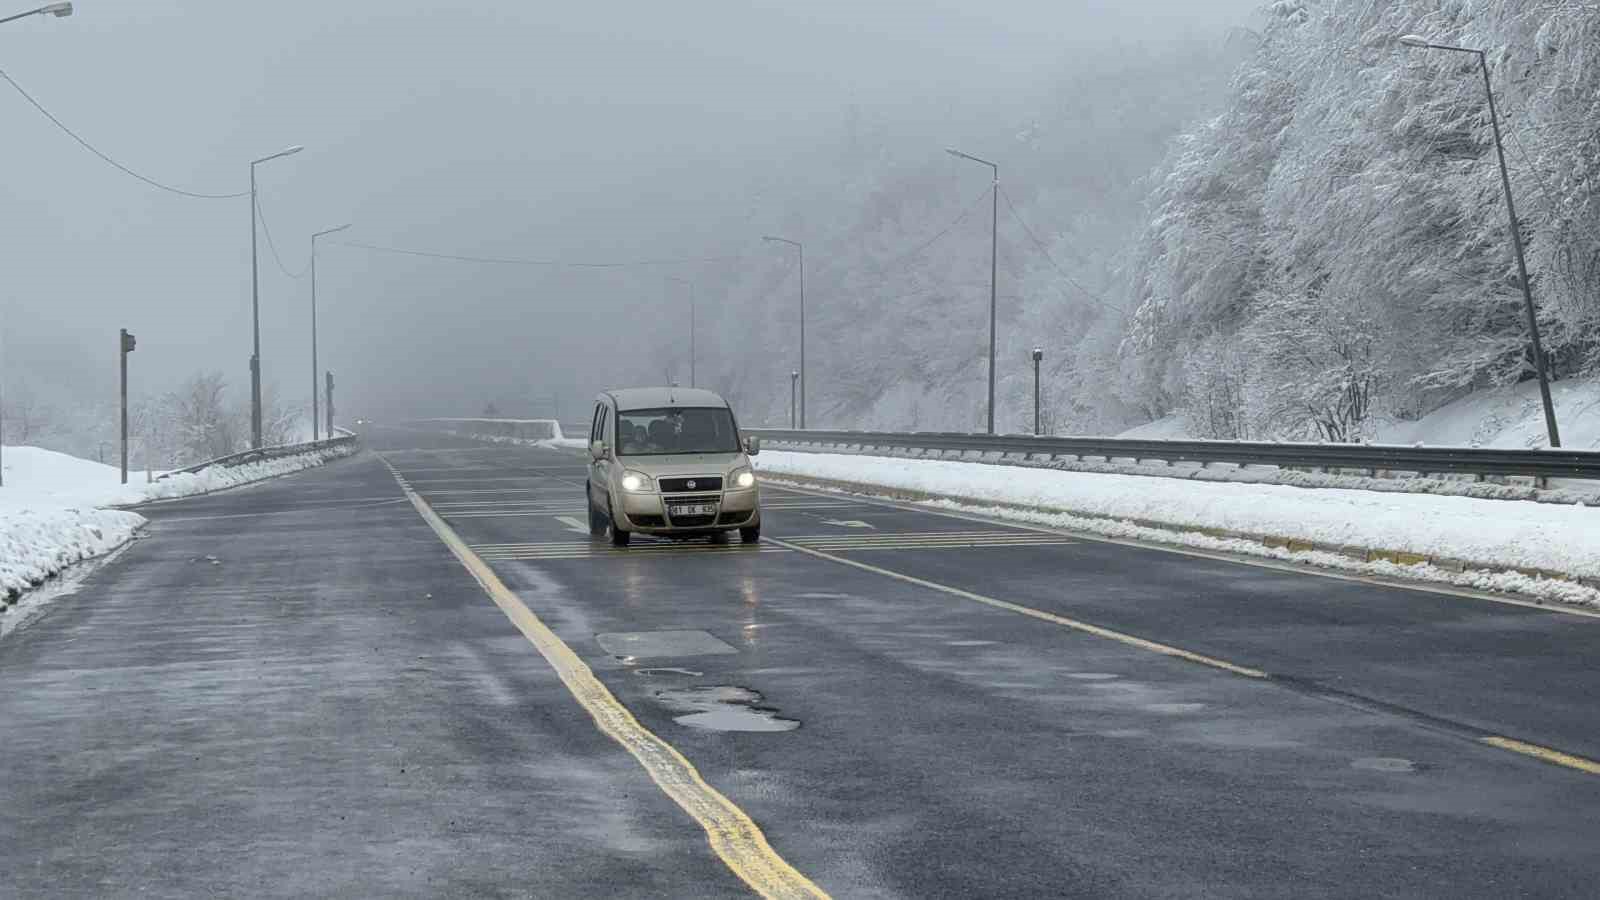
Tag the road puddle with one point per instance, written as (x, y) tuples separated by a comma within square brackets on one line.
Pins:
[(724, 708)]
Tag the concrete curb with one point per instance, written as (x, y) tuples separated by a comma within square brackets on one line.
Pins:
[(1293, 545)]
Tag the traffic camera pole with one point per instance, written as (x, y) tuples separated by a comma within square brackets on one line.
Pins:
[(329, 404)]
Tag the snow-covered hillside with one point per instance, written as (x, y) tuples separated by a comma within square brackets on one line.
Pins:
[(1508, 418)]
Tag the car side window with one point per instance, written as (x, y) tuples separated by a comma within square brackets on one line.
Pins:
[(594, 424), (605, 426)]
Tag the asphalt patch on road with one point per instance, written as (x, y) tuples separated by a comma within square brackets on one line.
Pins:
[(723, 708)]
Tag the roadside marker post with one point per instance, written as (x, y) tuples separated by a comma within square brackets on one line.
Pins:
[(125, 345)]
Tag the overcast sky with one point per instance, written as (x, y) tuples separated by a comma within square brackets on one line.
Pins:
[(579, 131)]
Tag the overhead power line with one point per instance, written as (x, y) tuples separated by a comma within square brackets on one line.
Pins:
[(547, 263), (261, 215), (119, 166), (1092, 296)]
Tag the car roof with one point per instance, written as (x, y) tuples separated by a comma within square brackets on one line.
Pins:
[(656, 397)]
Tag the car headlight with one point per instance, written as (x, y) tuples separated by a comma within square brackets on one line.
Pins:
[(636, 482), (742, 477)]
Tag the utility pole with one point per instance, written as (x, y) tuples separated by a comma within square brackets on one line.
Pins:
[(314, 326), (994, 256), (690, 285), (255, 306), (1540, 364), (1038, 354), (330, 404), (125, 344), (800, 250)]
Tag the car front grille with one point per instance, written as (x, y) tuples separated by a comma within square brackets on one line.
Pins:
[(692, 521), (733, 518), (683, 485)]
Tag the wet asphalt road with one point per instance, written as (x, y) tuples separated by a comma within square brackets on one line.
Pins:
[(333, 707)]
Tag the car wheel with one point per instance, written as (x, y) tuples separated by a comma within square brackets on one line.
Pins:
[(619, 538), (597, 521), (750, 535)]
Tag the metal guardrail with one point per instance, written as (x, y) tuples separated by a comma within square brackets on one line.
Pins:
[(1370, 457), (348, 438)]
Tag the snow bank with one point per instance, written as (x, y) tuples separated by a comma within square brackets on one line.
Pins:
[(216, 478), (52, 507), (1486, 534)]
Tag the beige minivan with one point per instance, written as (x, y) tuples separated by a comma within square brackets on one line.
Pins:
[(670, 461)]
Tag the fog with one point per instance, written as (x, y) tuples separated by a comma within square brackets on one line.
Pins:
[(601, 132)]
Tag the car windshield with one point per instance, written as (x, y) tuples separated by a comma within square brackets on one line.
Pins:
[(658, 432)]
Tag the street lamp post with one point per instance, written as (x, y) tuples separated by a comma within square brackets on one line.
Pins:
[(255, 305), (801, 250), (59, 10), (314, 386), (994, 252), (1539, 362), (690, 285)]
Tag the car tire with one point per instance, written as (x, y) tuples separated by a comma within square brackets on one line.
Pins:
[(597, 521), (750, 535), (619, 538)]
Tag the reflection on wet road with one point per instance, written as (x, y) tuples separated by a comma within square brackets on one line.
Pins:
[(892, 739)]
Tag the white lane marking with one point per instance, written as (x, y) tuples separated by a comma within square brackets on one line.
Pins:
[(1216, 555), (847, 523), (573, 524)]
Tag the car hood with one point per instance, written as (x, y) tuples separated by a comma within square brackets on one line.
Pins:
[(685, 464)]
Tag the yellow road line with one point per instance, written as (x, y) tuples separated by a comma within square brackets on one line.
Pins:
[(731, 833), (1075, 624), (1555, 757)]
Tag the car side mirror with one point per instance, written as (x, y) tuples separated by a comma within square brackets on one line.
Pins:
[(597, 449), (752, 445)]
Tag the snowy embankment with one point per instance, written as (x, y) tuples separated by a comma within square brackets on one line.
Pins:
[(1539, 549), (54, 508)]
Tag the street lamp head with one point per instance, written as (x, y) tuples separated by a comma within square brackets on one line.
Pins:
[(59, 10), (1414, 40), (1038, 354), (287, 151), (330, 231)]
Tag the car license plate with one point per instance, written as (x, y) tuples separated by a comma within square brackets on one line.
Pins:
[(694, 509)]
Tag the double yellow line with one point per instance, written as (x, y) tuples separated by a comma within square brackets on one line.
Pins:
[(733, 836)]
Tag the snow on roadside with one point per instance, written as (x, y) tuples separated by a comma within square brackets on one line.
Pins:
[(216, 478), (557, 443), (1487, 533), (53, 507), (37, 543)]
